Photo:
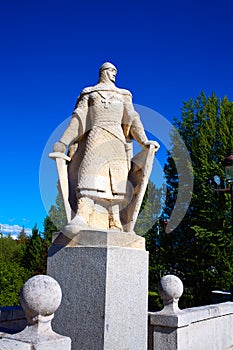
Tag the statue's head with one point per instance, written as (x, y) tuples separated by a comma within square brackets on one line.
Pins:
[(107, 73)]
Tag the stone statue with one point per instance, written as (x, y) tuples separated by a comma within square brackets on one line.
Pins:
[(97, 179)]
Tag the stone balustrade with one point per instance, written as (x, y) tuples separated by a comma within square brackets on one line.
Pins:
[(40, 297), (203, 328)]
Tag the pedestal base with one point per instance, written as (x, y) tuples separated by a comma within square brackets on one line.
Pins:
[(105, 288), (31, 339)]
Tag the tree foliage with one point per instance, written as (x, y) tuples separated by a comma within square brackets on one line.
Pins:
[(57, 213), (21, 259), (200, 249), (12, 274), (49, 229), (150, 210), (12, 278), (33, 259)]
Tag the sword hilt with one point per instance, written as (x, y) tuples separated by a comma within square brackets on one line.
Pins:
[(55, 155)]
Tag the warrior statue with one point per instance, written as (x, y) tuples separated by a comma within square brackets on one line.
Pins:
[(99, 140)]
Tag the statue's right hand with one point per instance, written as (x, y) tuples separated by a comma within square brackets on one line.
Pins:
[(59, 147)]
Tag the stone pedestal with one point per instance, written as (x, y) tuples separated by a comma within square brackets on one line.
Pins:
[(40, 297), (55, 344), (104, 281)]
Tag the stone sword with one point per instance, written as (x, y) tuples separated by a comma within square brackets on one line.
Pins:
[(61, 159)]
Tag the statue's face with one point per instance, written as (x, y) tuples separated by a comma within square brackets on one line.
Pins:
[(111, 74)]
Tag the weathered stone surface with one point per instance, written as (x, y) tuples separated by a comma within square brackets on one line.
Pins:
[(56, 344), (104, 304), (170, 289), (93, 238), (203, 328), (99, 186), (9, 344), (191, 315), (40, 297)]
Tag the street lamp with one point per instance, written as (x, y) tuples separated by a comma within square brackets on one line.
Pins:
[(228, 167)]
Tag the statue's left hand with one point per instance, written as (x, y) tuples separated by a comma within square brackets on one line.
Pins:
[(155, 143)]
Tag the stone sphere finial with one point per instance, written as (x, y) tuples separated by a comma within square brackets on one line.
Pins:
[(40, 295), (170, 289)]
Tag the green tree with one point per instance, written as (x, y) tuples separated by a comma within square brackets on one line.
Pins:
[(12, 274), (57, 213), (34, 253), (22, 236), (22, 258), (200, 249), (49, 229), (10, 249), (150, 210), (12, 278), (147, 226)]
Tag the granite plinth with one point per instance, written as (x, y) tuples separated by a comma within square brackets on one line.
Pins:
[(98, 238), (104, 285)]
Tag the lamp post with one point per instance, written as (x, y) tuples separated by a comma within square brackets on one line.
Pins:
[(228, 167)]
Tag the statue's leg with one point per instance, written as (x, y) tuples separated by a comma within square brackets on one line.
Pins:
[(114, 218), (80, 221), (99, 217), (84, 208)]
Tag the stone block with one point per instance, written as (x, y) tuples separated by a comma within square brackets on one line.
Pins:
[(104, 287), (55, 344), (40, 297), (205, 327), (93, 238), (9, 344)]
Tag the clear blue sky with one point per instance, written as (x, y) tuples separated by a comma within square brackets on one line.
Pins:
[(166, 52)]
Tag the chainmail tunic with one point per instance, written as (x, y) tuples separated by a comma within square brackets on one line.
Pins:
[(101, 161), (104, 167)]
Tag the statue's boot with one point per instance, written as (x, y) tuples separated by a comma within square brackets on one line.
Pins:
[(80, 221)]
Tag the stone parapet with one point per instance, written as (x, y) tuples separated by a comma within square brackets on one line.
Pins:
[(40, 297), (192, 315), (203, 328)]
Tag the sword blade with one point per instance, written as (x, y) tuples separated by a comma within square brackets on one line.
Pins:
[(61, 159)]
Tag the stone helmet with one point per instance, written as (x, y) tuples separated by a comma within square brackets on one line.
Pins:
[(106, 65), (103, 68)]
